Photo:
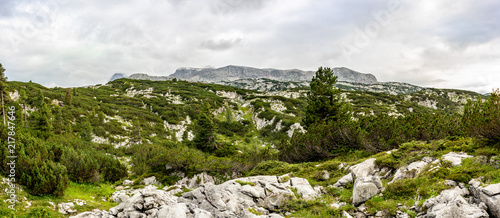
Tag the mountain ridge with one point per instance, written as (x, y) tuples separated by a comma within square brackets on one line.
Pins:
[(232, 72)]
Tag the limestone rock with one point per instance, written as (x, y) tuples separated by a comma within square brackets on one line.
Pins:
[(150, 181), (451, 203), (456, 158), (323, 175), (233, 198), (303, 187), (349, 178), (230, 73), (489, 195), (176, 210), (196, 181), (128, 182), (365, 188), (96, 213), (451, 183), (117, 76), (365, 168), (346, 215), (412, 170), (66, 208)]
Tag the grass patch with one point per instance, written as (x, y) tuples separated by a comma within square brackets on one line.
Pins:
[(184, 190), (242, 183)]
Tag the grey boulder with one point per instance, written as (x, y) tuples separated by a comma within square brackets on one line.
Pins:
[(489, 195), (365, 188), (451, 203)]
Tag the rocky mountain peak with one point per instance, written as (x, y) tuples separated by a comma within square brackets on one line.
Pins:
[(232, 72), (117, 76)]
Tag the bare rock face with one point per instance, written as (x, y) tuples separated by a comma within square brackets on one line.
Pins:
[(231, 73), (489, 195), (196, 181), (365, 188), (366, 177), (265, 194), (456, 158), (364, 169), (150, 181), (451, 203), (117, 76), (66, 208), (412, 170), (143, 76)]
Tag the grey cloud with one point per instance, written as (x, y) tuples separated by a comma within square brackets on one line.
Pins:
[(221, 44), (478, 24), (7, 7), (98, 38), (233, 6)]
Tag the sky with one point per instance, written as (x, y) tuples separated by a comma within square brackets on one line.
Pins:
[(67, 43)]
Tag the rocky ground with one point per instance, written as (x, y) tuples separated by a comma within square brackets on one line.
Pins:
[(265, 196)]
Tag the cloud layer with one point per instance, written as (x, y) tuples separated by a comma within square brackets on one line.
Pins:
[(445, 44)]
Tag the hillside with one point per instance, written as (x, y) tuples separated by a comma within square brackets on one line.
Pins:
[(123, 133), (266, 85), (171, 106)]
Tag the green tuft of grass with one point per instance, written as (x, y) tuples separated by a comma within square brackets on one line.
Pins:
[(242, 183)]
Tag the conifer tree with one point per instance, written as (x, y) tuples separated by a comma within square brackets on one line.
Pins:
[(43, 125), (87, 131), (205, 137), (68, 96), (324, 100)]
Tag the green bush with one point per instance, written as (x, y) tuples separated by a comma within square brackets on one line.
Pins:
[(271, 167), (322, 141), (482, 120), (81, 165), (42, 178), (111, 169)]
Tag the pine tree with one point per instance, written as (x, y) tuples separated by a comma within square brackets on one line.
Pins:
[(59, 121), (3, 87), (68, 96), (43, 126), (324, 100), (87, 131), (205, 137), (40, 98)]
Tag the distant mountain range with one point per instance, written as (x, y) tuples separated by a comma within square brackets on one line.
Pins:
[(274, 80), (232, 73)]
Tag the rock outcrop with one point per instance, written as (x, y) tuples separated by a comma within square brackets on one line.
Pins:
[(235, 198), (361, 170), (117, 76), (456, 158), (451, 203), (196, 180), (143, 76), (366, 176), (489, 195), (365, 188), (231, 73), (412, 170)]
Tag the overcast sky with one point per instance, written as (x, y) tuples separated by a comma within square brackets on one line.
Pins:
[(440, 43)]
